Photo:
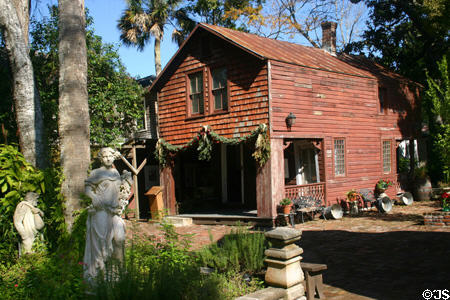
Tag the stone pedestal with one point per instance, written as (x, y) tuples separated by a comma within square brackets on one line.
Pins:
[(283, 260)]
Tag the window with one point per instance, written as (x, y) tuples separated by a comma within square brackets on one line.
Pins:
[(382, 99), (196, 92), (219, 88), (339, 157), (387, 156)]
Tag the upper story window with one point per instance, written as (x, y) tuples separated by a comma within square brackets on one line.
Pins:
[(382, 99), (339, 157), (219, 88), (196, 93), (387, 156)]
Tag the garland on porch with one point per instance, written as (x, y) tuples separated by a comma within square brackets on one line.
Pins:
[(205, 138)]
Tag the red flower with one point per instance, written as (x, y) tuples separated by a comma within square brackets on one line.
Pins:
[(16, 285), (445, 195)]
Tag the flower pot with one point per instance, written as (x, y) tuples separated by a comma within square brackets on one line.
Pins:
[(422, 189), (286, 209)]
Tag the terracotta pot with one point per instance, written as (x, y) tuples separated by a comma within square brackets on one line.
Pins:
[(286, 209)]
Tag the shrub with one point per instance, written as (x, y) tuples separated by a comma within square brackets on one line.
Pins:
[(157, 269), (18, 177), (42, 276), (240, 250)]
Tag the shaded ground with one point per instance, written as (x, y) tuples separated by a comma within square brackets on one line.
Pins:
[(369, 256)]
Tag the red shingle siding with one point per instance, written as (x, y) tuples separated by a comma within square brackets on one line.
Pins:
[(329, 105), (247, 106)]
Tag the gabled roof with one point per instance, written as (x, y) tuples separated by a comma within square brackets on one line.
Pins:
[(377, 70), (270, 49), (266, 48)]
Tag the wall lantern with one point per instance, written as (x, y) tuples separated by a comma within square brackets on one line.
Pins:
[(290, 120)]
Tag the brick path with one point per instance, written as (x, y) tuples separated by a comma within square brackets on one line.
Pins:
[(369, 256)]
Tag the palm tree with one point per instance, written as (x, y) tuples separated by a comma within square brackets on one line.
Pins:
[(73, 119), (143, 19)]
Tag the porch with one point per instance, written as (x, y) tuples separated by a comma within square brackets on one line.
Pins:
[(303, 171)]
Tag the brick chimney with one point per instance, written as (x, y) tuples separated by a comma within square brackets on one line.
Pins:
[(329, 37)]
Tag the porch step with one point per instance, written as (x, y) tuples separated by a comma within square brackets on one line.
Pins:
[(178, 221)]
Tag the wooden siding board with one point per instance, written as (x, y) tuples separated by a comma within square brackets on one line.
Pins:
[(337, 105)]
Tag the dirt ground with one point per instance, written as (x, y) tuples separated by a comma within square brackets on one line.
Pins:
[(369, 256)]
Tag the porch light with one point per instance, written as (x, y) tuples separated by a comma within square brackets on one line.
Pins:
[(290, 120)]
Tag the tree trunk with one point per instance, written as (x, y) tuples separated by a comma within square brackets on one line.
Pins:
[(74, 119), (23, 13), (26, 96), (157, 55)]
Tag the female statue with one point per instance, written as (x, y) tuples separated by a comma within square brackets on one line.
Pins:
[(28, 221), (105, 229)]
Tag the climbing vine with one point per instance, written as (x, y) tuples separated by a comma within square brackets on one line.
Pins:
[(206, 137)]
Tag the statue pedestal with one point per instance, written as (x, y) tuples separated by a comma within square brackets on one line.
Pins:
[(283, 260)]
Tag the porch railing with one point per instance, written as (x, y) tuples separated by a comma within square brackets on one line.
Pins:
[(314, 190)]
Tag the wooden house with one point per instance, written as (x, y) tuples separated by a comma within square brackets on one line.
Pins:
[(334, 121)]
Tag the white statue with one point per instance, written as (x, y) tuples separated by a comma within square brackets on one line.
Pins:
[(28, 221), (125, 190), (105, 229)]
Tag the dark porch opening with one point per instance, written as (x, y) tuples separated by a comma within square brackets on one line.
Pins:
[(225, 183)]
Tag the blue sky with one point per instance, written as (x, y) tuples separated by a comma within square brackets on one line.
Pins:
[(105, 14)]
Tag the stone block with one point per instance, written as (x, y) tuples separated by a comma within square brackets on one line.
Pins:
[(285, 253), (295, 292), (270, 293), (284, 274), (178, 221)]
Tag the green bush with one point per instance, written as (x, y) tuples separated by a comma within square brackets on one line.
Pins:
[(18, 177), (239, 251), (157, 269), (42, 276)]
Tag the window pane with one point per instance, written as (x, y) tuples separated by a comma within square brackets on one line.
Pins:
[(339, 157), (196, 83), (192, 79), (195, 108), (217, 100), (386, 156), (219, 78), (196, 92), (219, 88)]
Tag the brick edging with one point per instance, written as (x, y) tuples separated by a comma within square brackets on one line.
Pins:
[(441, 218)]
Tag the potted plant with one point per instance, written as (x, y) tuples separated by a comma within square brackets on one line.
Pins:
[(382, 185), (445, 201), (422, 184), (352, 199), (286, 205)]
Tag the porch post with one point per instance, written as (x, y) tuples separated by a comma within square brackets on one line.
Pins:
[(270, 181), (223, 168), (168, 189)]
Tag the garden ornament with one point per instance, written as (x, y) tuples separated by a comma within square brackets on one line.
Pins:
[(28, 221), (105, 229)]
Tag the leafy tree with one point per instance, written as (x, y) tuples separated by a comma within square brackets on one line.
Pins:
[(290, 18), (115, 99), (408, 36), (144, 19), (437, 111)]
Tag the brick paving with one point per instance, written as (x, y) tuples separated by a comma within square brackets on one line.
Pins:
[(369, 256)]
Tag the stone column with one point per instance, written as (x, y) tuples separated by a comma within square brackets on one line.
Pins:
[(283, 260)]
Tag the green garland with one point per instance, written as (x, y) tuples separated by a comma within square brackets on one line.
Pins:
[(205, 138)]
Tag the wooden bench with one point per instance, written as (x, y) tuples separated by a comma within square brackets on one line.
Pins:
[(313, 279), (310, 211)]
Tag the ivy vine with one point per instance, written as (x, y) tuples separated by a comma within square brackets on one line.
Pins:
[(206, 137)]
